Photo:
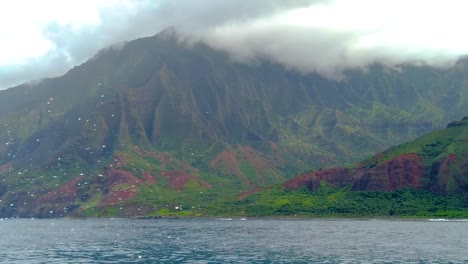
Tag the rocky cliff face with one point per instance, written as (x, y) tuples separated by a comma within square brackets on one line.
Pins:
[(399, 172), (402, 171), (189, 121), (440, 164)]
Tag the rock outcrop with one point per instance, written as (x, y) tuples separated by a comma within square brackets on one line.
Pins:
[(438, 162), (402, 171)]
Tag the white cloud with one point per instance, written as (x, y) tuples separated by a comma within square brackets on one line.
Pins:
[(23, 22), (44, 38), (333, 36)]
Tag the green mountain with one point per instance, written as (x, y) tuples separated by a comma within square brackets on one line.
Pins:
[(157, 124), (425, 177)]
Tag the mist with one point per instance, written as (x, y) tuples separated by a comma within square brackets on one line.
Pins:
[(321, 36)]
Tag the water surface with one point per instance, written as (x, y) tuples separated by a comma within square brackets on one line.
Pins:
[(235, 241)]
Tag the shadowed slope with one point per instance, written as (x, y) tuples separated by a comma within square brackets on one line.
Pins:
[(222, 124)]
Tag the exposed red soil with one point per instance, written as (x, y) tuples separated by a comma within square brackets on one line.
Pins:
[(334, 176), (445, 171), (149, 179), (227, 162), (261, 165), (115, 197), (65, 193), (399, 172), (117, 176), (226, 159), (178, 179), (114, 177), (129, 185), (121, 185)]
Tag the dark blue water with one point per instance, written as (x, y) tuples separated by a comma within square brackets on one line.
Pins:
[(236, 241)]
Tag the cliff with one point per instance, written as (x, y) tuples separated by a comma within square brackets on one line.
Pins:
[(437, 162)]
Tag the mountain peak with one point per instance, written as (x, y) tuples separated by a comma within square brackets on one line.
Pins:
[(162, 112), (168, 33)]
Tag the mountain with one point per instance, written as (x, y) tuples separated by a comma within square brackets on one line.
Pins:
[(437, 162), (425, 177), (157, 123)]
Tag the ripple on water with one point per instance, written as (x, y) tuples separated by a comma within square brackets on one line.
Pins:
[(233, 241)]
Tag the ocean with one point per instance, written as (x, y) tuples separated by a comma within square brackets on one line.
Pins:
[(232, 241)]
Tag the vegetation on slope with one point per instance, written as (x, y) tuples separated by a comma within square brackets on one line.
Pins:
[(444, 156), (329, 201), (230, 126)]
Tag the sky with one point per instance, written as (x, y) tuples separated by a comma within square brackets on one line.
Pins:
[(41, 39)]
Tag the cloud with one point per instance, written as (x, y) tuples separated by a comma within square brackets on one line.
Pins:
[(333, 36), (48, 37), (45, 38)]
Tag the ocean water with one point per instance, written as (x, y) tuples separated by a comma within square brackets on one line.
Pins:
[(232, 241)]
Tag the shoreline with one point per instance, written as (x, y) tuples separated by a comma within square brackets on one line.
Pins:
[(255, 218)]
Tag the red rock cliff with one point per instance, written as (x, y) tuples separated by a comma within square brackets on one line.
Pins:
[(399, 172)]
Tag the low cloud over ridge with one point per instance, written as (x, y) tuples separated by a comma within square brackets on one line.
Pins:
[(324, 36)]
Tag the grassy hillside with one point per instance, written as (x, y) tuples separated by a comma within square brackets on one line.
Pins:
[(230, 127), (329, 201), (443, 193)]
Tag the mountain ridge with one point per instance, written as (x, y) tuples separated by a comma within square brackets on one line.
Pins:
[(436, 162), (233, 126), (427, 177)]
